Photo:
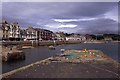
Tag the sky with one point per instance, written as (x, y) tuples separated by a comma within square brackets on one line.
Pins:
[(69, 17)]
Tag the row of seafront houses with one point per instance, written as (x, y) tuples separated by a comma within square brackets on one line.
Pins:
[(13, 32)]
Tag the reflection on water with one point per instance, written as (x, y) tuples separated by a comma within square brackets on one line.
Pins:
[(42, 52)]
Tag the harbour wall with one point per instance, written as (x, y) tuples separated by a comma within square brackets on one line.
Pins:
[(40, 43)]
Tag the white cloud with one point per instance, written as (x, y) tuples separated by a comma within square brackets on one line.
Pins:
[(65, 20), (113, 14), (61, 26), (70, 20), (68, 25), (115, 18)]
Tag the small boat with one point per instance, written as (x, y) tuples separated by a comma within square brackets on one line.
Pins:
[(51, 47)]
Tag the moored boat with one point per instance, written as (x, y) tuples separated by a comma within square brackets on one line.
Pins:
[(51, 47)]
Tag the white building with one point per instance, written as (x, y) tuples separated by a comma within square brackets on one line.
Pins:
[(31, 33), (76, 37), (14, 31), (60, 36)]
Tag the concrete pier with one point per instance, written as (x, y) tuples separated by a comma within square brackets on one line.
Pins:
[(62, 67)]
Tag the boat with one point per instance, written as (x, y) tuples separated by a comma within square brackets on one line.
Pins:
[(51, 47)]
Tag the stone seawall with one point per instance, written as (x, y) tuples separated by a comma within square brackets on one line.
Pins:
[(40, 43)]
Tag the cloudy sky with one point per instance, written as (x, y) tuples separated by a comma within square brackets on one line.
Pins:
[(70, 17)]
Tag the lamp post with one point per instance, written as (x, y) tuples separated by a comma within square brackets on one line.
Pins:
[(96, 36), (37, 37)]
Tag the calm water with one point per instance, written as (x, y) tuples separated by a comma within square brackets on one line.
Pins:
[(42, 52)]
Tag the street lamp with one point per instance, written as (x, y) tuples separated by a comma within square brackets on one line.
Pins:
[(96, 36)]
